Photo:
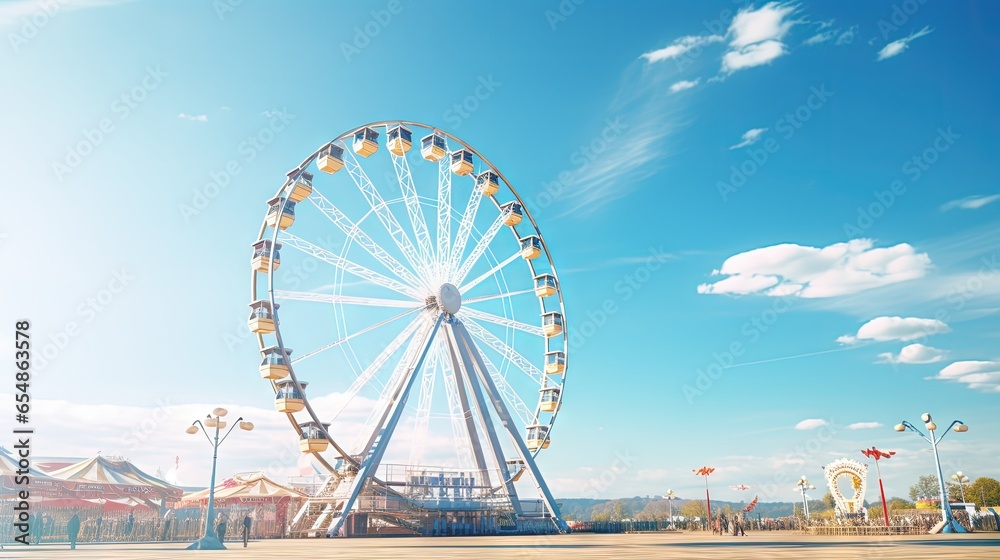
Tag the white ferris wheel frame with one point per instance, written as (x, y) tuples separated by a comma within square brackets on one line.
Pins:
[(423, 268)]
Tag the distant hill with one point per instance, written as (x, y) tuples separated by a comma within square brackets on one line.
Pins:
[(584, 509)]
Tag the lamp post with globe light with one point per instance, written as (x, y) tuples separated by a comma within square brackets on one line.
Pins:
[(948, 523), (803, 485), (962, 480), (669, 496), (213, 421)]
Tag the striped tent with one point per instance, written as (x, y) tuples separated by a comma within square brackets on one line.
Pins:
[(114, 478), (247, 488), (40, 485)]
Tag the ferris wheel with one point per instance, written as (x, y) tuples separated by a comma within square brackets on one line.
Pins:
[(432, 320)]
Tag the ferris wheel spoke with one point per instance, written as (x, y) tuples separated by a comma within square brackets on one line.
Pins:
[(354, 232), (481, 246), (502, 321), (350, 336), (381, 210), (489, 274), (491, 340), (368, 374), (526, 414), (340, 262), (405, 179), (424, 408), (496, 296), (465, 228), (341, 299), (455, 410), (391, 391), (443, 214)]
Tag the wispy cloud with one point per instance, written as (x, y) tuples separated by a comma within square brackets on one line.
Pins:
[(811, 424), (12, 12), (749, 137), (980, 375), (970, 202), (865, 425), (681, 47), (897, 47), (196, 118), (684, 84)]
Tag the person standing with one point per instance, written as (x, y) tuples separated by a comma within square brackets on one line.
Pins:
[(220, 528), (246, 529), (73, 530), (128, 526), (167, 519)]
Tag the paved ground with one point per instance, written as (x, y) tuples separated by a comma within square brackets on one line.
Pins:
[(760, 546)]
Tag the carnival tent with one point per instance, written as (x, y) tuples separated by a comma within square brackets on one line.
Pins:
[(116, 479), (40, 485), (249, 488)]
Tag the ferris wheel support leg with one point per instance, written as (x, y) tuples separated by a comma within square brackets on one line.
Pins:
[(371, 463), (463, 397), (510, 426), (455, 339)]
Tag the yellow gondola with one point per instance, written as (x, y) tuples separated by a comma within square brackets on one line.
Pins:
[(289, 399), (399, 140), (261, 260), (331, 158), (433, 147), (274, 364), (365, 141), (261, 317), (287, 213)]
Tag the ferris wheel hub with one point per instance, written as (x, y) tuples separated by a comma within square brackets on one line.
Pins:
[(449, 299)]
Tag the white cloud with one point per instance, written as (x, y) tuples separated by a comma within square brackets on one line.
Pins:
[(811, 424), (197, 118), (979, 375), (881, 329), (681, 47), (847, 37), (899, 45), (810, 272), (971, 202), (684, 84), (821, 37), (749, 137), (913, 354), (865, 425), (756, 36)]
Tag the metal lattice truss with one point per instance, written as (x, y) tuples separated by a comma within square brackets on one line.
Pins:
[(432, 317)]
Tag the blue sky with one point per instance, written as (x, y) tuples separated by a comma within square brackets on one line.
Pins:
[(775, 224)]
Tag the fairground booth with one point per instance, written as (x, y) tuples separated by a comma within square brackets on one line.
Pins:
[(270, 505)]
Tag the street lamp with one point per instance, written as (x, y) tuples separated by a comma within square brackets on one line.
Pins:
[(962, 480), (948, 523), (803, 485), (877, 454), (210, 541), (705, 471), (669, 496)]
